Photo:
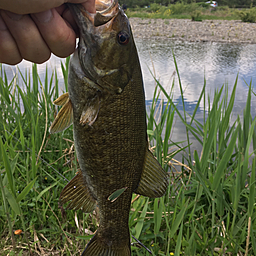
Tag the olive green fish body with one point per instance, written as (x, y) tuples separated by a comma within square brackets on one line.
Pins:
[(112, 150)]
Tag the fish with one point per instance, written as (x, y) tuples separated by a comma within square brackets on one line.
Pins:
[(105, 103)]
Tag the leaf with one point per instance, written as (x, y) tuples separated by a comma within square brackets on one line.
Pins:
[(116, 194), (224, 160), (7, 166), (158, 210), (178, 219), (12, 202), (252, 190), (25, 191), (178, 244), (140, 222), (88, 237), (13, 164), (45, 190)]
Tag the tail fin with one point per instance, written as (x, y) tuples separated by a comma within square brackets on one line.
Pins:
[(96, 248)]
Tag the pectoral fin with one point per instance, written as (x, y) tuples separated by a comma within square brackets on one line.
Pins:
[(90, 111), (65, 116), (154, 180), (78, 194), (62, 99)]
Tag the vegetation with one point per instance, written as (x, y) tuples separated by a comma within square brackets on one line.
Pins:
[(248, 15), (229, 3), (209, 208), (195, 11)]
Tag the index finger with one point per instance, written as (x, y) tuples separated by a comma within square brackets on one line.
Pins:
[(34, 6)]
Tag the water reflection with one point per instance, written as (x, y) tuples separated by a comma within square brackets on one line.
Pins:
[(217, 63)]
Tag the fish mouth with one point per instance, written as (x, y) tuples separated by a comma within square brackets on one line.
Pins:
[(106, 10)]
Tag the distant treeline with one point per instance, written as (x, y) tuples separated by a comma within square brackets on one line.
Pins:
[(230, 3)]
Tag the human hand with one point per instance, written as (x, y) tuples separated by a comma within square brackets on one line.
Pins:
[(33, 29)]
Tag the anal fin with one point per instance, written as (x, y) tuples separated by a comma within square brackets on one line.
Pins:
[(77, 194), (154, 180), (65, 116)]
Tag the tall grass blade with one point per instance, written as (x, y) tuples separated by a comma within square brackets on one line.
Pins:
[(139, 225), (178, 219), (178, 243), (224, 160), (7, 166), (6, 209), (26, 190)]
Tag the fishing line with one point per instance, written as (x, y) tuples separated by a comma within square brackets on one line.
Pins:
[(139, 242), (40, 158)]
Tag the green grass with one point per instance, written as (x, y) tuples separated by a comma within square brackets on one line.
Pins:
[(185, 11), (209, 208)]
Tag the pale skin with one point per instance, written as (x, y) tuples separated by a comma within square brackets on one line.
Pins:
[(33, 29)]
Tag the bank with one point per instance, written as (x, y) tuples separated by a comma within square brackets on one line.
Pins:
[(226, 31)]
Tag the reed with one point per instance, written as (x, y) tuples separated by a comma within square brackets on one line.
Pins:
[(209, 207)]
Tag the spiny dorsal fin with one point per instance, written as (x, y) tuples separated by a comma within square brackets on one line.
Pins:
[(154, 180), (77, 192), (90, 111), (62, 99), (64, 118)]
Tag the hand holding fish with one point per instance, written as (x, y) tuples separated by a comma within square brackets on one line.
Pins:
[(32, 29)]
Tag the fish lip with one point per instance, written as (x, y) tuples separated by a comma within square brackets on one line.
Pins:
[(109, 8), (86, 20)]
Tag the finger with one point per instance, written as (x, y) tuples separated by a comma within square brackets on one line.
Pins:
[(58, 35), (28, 6), (9, 53), (27, 37), (66, 14), (89, 5)]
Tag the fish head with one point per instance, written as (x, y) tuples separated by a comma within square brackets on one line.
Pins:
[(106, 46)]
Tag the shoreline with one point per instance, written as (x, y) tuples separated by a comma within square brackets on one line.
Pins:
[(223, 31)]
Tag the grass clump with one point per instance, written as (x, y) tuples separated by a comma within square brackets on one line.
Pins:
[(196, 16), (248, 15), (209, 206)]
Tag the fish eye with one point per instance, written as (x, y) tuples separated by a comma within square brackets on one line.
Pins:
[(123, 38)]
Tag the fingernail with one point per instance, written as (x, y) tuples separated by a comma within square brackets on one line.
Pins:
[(2, 24), (44, 17), (14, 16)]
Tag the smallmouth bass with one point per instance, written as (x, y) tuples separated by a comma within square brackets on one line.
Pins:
[(106, 104)]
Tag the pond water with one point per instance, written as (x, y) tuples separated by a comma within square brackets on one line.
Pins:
[(218, 63)]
